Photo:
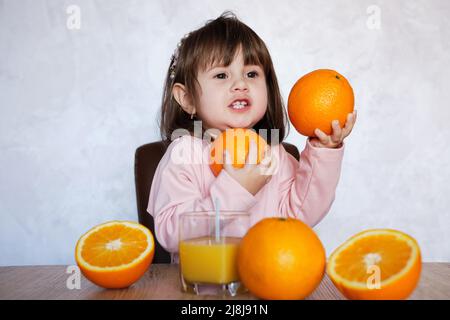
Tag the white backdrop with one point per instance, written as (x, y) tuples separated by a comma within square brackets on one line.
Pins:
[(76, 103)]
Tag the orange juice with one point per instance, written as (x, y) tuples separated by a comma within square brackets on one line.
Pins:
[(204, 260)]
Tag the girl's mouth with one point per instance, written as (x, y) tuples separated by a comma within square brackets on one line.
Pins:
[(240, 105)]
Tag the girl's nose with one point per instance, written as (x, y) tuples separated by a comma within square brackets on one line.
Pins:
[(240, 85)]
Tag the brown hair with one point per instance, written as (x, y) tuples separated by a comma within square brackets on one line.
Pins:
[(218, 41)]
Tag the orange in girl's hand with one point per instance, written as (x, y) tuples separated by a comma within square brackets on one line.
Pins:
[(115, 254), (281, 258), (237, 142), (376, 264), (317, 99)]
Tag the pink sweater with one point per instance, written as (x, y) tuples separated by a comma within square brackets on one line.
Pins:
[(302, 189)]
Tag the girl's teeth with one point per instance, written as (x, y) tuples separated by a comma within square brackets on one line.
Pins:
[(239, 105)]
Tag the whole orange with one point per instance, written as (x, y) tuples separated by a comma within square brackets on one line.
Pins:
[(281, 258), (317, 99), (237, 142)]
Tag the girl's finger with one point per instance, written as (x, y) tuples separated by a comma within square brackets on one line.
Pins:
[(273, 166), (348, 125), (336, 136), (252, 156), (264, 169), (323, 138), (227, 164), (267, 157)]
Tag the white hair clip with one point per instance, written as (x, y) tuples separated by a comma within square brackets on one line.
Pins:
[(174, 58)]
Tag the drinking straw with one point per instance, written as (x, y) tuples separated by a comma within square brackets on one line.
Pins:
[(217, 206)]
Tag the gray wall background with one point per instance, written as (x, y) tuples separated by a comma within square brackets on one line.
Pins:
[(76, 103)]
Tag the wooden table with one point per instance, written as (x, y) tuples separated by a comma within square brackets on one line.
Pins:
[(162, 282)]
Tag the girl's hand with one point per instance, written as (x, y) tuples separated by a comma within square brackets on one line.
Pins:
[(339, 134), (252, 176)]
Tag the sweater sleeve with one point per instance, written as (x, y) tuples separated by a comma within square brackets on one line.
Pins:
[(176, 188), (308, 186)]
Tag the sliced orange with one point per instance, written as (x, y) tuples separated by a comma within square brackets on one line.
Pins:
[(115, 254), (376, 264)]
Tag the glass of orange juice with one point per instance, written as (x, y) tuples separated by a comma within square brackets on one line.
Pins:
[(208, 251)]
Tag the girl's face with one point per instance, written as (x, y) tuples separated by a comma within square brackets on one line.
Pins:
[(221, 86)]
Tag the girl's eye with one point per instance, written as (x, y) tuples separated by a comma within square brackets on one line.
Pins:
[(252, 74), (220, 76)]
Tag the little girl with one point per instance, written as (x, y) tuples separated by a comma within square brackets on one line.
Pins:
[(221, 76)]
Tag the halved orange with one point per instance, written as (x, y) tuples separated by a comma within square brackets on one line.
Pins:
[(115, 254), (376, 264)]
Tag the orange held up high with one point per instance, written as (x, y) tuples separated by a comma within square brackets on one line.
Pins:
[(317, 99)]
